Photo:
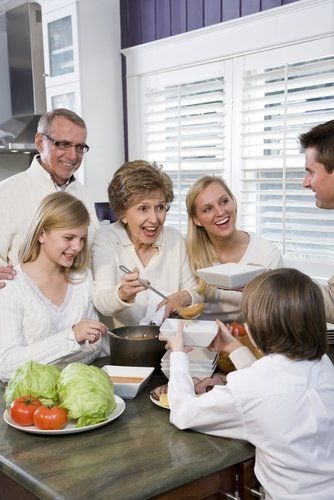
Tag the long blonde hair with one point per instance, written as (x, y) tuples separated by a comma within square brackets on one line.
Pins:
[(200, 249), (56, 211)]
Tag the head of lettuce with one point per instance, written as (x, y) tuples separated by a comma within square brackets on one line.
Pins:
[(36, 379), (87, 393)]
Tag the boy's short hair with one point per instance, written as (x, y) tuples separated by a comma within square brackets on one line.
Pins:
[(285, 313)]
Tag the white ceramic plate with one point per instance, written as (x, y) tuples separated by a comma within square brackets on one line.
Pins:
[(70, 427), (196, 332), (231, 275), (156, 402)]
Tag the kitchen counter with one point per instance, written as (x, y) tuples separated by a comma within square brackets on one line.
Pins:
[(136, 456)]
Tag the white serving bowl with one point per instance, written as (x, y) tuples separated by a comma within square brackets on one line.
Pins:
[(128, 380), (231, 275), (196, 332)]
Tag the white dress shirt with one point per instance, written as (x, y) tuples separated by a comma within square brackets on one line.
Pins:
[(285, 408)]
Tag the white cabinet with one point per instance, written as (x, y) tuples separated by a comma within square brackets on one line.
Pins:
[(61, 54)]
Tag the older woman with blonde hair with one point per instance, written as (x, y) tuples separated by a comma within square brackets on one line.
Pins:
[(46, 313), (140, 193)]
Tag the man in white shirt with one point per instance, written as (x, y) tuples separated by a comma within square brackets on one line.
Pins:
[(318, 146), (61, 143)]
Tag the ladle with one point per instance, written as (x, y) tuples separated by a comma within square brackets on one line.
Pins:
[(188, 312)]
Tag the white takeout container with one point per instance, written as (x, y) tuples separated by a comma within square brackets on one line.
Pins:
[(126, 388), (231, 275), (196, 332)]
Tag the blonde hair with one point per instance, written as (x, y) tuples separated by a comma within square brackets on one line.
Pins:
[(135, 179), (200, 249), (285, 313), (56, 211)]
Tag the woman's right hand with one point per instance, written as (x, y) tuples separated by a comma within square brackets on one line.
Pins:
[(130, 286), (89, 329)]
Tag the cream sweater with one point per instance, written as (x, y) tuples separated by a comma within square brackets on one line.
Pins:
[(168, 270), (20, 196)]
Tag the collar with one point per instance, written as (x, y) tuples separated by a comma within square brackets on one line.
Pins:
[(37, 169)]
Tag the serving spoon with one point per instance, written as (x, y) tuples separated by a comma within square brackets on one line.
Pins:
[(188, 312)]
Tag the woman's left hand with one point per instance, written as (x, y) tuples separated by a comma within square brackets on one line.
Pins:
[(180, 299)]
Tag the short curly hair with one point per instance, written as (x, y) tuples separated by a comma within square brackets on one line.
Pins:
[(136, 179)]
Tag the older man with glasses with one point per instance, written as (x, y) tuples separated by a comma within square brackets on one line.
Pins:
[(61, 143)]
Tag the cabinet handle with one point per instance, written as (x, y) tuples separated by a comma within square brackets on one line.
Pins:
[(257, 493), (230, 496)]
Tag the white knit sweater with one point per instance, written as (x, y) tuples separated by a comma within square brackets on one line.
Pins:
[(32, 328)]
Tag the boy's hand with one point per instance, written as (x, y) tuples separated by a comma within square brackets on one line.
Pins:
[(176, 342), (224, 341)]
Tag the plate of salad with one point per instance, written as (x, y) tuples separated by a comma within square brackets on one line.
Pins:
[(70, 427), (44, 399)]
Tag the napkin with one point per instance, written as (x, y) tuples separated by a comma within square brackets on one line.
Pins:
[(153, 315)]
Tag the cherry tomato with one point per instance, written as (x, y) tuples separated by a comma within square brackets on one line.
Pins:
[(50, 418), (241, 329), (22, 410)]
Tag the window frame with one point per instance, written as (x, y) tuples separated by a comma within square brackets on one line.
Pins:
[(288, 33)]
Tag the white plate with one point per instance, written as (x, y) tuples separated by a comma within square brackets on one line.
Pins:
[(231, 275), (127, 389), (70, 427), (195, 332), (156, 402)]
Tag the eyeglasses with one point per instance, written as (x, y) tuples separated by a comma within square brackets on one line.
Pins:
[(66, 146)]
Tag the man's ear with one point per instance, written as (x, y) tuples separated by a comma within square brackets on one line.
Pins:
[(39, 141)]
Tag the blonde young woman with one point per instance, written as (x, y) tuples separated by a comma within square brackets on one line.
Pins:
[(213, 238), (46, 312)]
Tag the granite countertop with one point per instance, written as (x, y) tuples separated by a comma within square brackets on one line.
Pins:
[(136, 456)]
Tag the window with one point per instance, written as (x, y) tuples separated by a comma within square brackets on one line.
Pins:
[(184, 131), (279, 103), (232, 99)]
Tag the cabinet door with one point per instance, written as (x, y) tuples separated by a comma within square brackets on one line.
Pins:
[(60, 40), (64, 96)]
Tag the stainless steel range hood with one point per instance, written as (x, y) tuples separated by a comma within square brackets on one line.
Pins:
[(27, 86)]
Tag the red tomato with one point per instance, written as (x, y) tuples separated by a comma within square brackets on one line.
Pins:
[(241, 329), (50, 418), (22, 410)]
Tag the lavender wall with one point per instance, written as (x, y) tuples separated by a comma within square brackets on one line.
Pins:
[(146, 20)]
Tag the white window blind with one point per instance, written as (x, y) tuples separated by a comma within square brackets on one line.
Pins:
[(184, 131), (279, 103)]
